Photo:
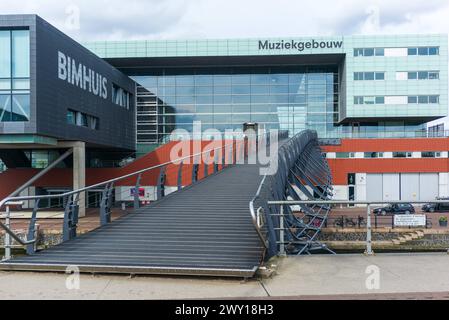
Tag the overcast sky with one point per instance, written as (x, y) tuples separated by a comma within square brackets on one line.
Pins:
[(87, 20), (174, 19)]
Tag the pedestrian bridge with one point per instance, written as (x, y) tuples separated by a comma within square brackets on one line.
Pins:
[(220, 225)]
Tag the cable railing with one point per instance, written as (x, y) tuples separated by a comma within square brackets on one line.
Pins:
[(301, 168)]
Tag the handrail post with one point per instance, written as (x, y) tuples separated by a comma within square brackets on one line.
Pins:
[(195, 173), (180, 176), (215, 162), (369, 249), (103, 206), (206, 169), (281, 231), (7, 236), (234, 151), (223, 158), (136, 192), (31, 248), (69, 228), (161, 184)]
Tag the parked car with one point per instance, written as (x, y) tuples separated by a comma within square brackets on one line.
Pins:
[(399, 208), (435, 207)]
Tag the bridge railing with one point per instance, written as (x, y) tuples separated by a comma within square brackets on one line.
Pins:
[(302, 173), (219, 158), (367, 224)]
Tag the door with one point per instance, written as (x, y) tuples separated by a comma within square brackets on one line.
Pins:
[(390, 185), (374, 187), (410, 187), (428, 186)]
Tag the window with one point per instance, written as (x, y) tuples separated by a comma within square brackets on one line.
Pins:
[(412, 99), (373, 155), (120, 96), (380, 100), (412, 51), (433, 51), (5, 54), (402, 154), (428, 154), (380, 75), (342, 155), (82, 120), (434, 99), (379, 51), (351, 179), (423, 99), (358, 52), (412, 76), (434, 75), (358, 100), (423, 75), (369, 100), (424, 51), (71, 117), (14, 76), (20, 107), (369, 76), (369, 52)]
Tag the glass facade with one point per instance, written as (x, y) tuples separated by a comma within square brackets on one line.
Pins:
[(277, 98), (14, 75)]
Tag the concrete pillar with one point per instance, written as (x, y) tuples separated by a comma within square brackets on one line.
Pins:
[(79, 173)]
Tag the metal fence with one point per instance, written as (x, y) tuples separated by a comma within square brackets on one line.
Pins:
[(369, 222)]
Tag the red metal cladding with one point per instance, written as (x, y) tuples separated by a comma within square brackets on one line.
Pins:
[(11, 179), (341, 167)]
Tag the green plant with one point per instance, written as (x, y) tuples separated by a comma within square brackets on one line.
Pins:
[(443, 219)]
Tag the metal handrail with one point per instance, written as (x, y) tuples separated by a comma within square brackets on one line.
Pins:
[(254, 215), (295, 202), (69, 193)]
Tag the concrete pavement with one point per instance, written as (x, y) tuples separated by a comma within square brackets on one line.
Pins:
[(321, 276)]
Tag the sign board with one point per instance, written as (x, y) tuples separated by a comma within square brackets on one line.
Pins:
[(410, 220), (133, 191)]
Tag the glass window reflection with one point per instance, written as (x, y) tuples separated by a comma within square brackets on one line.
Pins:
[(15, 75)]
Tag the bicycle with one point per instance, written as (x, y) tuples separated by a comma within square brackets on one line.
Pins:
[(344, 222)]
